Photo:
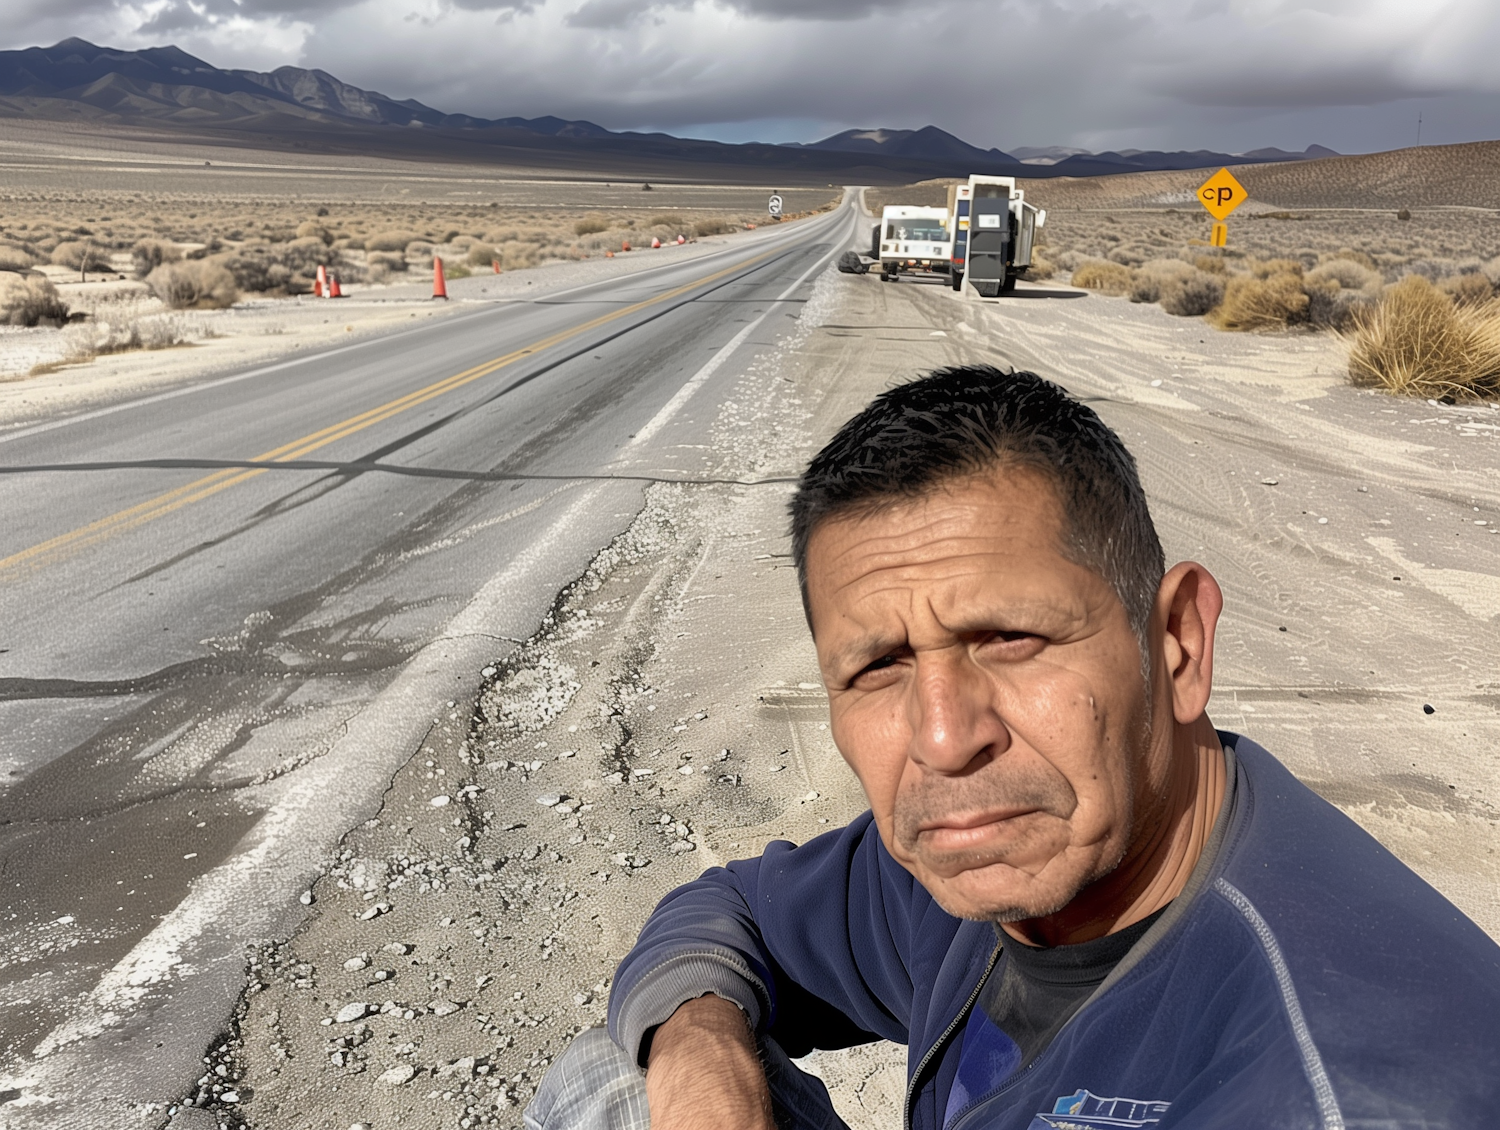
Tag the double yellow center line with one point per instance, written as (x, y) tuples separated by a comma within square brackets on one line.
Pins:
[(65, 545)]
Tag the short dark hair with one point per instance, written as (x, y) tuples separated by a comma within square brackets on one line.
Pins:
[(958, 422)]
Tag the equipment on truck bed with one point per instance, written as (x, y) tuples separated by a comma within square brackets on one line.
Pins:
[(914, 240), (993, 232)]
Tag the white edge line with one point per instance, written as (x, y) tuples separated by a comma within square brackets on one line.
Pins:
[(696, 381), (1312, 1062)]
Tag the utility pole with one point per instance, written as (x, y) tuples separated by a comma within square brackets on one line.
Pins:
[(1419, 129)]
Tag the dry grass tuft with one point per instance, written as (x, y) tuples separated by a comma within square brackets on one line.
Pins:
[(30, 300), (1468, 290), (1103, 276), (196, 284), (591, 225), (1252, 303), (1418, 342)]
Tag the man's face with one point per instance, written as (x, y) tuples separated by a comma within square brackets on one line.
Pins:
[(987, 692)]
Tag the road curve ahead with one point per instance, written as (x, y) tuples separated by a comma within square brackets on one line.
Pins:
[(229, 613)]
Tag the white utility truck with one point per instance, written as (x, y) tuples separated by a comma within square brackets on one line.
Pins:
[(993, 232), (914, 240)]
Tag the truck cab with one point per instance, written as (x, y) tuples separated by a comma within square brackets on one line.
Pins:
[(914, 240)]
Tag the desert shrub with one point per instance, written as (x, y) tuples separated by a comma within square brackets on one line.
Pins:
[(1468, 290), (1269, 268), (1418, 341), (1404, 214), (386, 260), (1252, 303), (1348, 274), (353, 243), (711, 226), (1103, 276), (197, 284), (81, 255), (15, 258), (456, 271), (1353, 256), (1041, 269), (666, 220), (1491, 271), (148, 254), (481, 255), (1154, 276), (1211, 264), (1332, 307), (502, 235), (1192, 295), (517, 256), (420, 251), (389, 240), (30, 300), (286, 268), (311, 229)]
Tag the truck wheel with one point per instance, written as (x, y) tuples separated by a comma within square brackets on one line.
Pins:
[(1009, 284), (885, 276), (958, 280)]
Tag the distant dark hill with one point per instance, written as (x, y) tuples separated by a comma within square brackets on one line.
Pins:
[(164, 89), (926, 144)]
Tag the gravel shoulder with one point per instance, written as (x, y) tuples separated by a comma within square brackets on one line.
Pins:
[(668, 716)]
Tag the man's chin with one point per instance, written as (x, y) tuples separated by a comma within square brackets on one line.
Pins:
[(996, 892)]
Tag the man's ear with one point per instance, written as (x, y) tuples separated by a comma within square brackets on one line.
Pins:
[(1188, 605)]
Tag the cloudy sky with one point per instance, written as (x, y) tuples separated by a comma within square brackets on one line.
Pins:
[(1098, 74)]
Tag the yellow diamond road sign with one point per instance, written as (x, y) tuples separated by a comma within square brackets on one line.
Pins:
[(1221, 194)]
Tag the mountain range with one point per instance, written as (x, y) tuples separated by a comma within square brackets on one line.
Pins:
[(167, 88)]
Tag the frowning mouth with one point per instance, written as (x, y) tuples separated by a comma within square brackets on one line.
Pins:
[(970, 821)]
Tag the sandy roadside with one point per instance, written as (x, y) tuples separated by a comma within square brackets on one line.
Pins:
[(261, 331), (669, 716)]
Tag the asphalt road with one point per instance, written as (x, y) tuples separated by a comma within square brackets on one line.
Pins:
[(229, 613)]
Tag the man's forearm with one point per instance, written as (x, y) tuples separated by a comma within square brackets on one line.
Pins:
[(704, 1071)]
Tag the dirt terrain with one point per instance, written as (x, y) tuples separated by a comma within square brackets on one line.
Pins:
[(669, 716)]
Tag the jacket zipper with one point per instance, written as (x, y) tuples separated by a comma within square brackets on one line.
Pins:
[(916, 1076)]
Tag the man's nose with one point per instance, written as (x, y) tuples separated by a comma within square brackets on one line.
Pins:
[(952, 712)]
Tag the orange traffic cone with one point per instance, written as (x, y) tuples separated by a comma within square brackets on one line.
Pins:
[(681, 239), (496, 264), (439, 287), (334, 290), (320, 282), (625, 246), (655, 242), (609, 254)]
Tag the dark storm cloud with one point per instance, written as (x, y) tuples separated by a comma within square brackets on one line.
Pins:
[(1094, 73)]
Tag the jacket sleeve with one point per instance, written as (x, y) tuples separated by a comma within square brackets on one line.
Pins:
[(811, 942)]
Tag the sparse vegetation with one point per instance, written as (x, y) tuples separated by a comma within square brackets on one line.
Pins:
[(148, 254), (1103, 276), (81, 255), (30, 300), (1419, 342), (591, 225), (1274, 301), (195, 284)]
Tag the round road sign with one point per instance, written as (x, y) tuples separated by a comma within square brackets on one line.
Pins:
[(775, 206)]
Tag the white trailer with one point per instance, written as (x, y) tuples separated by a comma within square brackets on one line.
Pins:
[(993, 233), (914, 240)]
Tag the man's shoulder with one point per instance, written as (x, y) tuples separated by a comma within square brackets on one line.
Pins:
[(1368, 949), (1308, 865)]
